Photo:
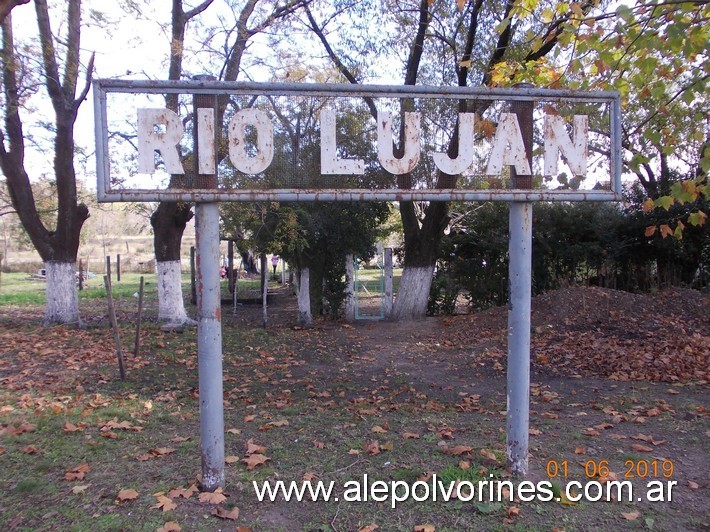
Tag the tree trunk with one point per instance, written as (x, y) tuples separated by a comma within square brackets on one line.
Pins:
[(169, 221), (303, 293), (413, 293), (62, 296), (170, 301), (421, 248)]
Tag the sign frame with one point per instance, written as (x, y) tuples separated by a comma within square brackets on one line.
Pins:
[(103, 87)]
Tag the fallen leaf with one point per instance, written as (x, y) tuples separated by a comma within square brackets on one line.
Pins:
[(170, 526), (410, 436), (213, 497), (231, 459), (70, 427), (377, 429), (631, 516), (223, 513), (164, 503), (309, 476), (127, 495), (373, 447), (368, 528), (29, 449), (78, 472), (641, 448), (424, 528), (534, 432), (693, 485), (458, 450), (255, 448), (580, 450), (80, 488), (254, 460), (513, 511), (182, 492)]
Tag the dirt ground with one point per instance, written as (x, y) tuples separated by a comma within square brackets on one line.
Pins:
[(615, 377)]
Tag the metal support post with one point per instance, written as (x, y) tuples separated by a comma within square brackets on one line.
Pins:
[(209, 346), (520, 282), (209, 326), (520, 253)]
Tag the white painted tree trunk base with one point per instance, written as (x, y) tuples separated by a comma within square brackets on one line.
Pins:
[(62, 295), (413, 293), (303, 293), (171, 307)]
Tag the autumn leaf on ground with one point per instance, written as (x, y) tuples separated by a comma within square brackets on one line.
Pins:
[(78, 472), (223, 513), (590, 432), (580, 450), (213, 497), (534, 432), (631, 516), (179, 439), (182, 492), (458, 450), (70, 427), (81, 488), (319, 445), (641, 448), (373, 447), (127, 495), (164, 503), (309, 476), (170, 526), (231, 459), (513, 511), (255, 448), (424, 528), (254, 460), (378, 430), (693, 485), (114, 424), (368, 528), (29, 449), (410, 436), (387, 446)]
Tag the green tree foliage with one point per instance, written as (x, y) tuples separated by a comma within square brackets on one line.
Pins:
[(656, 54), (579, 243)]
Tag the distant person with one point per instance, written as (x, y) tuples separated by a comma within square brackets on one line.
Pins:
[(274, 263)]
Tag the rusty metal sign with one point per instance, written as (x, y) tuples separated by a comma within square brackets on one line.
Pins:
[(299, 142)]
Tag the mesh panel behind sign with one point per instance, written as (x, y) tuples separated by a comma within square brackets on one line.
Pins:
[(276, 142)]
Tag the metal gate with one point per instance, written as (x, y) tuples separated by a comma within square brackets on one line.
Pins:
[(369, 290)]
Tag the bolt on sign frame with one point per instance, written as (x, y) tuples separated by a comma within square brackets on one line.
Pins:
[(210, 141)]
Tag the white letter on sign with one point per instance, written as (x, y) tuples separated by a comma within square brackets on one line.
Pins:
[(329, 162), (456, 166), (205, 141), (508, 147), (150, 141), (264, 141), (385, 151), (574, 152)]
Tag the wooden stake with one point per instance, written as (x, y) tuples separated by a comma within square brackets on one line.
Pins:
[(114, 325), (138, 319)]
